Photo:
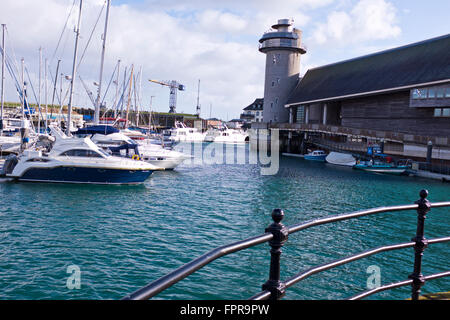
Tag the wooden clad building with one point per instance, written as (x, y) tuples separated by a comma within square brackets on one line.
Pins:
[(400, 96)]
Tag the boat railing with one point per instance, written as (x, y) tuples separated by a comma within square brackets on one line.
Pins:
[(277, 234)]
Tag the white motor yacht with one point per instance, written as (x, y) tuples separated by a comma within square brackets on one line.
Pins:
[(120, 144), (182, 133), (227, 135), (75, 160)]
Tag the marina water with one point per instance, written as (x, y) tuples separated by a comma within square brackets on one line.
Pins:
[(123, 237)]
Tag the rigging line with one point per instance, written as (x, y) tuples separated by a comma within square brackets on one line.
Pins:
[(63, 30), (52, 81), (109, 84), (8, 66), (13, 58), (90, 37)]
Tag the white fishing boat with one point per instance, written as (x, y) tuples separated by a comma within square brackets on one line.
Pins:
[(182, 133), (340, 159), (74, 160)]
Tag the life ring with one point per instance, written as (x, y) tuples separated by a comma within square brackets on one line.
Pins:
[(135, 157)]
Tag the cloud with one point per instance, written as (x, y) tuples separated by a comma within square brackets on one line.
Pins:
[(214, 41), (367, 20)]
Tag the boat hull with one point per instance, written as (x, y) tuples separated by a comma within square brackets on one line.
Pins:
[(66, 174), (315, 158), (375, 169)]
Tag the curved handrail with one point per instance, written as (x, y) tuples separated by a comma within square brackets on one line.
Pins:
[(182, 272), (163, 283), (309, 272), (397, 285)]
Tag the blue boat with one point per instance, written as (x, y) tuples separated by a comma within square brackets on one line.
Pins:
[(316, 155), (382, 163)]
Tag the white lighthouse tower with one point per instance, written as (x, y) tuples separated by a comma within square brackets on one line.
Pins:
[(282, 46)]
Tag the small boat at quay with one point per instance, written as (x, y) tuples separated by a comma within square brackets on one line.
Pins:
[(74, 160), (382, 164), (340, 159), (316, 155)]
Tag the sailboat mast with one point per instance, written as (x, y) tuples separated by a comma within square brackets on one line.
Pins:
[(46, 95), (23, 88), (97, 101), (129, 96), (117, 90), (39, 91), (3, 77), (198, 99), (74, 69)]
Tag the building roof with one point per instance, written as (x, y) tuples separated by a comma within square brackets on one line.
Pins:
[(421, 63), (256, 105)]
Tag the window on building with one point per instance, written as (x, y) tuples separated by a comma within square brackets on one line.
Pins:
[(301, 114), (273, 83), (442, 112), (423, 93), (440, 92), (447, 92), (271, 104), (257, 113), (431, 93)]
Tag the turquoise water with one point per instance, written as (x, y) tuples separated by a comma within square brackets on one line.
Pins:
[(123, 237)]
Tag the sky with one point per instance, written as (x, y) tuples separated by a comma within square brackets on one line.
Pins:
[(215, 42)]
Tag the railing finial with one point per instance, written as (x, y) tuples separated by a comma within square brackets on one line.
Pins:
[(421, 243), (280, 234)]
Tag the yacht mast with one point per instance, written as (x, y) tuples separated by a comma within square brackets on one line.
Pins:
[(3, 77), (117, 90), (97, 101), (198, 99), (74, 69), (39, 91), (129, 96), (23, 88)]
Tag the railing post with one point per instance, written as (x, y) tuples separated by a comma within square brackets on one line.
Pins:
[(280, 235), (421, 244)]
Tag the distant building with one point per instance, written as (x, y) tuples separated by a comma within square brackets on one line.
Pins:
[(214, 123), (399, 98), (235, 123), (253, 112)]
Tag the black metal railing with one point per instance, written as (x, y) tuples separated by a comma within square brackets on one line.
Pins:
[(277, 234)]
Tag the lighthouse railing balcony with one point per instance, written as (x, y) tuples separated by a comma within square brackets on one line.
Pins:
[(282, 43), (277, 234)]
